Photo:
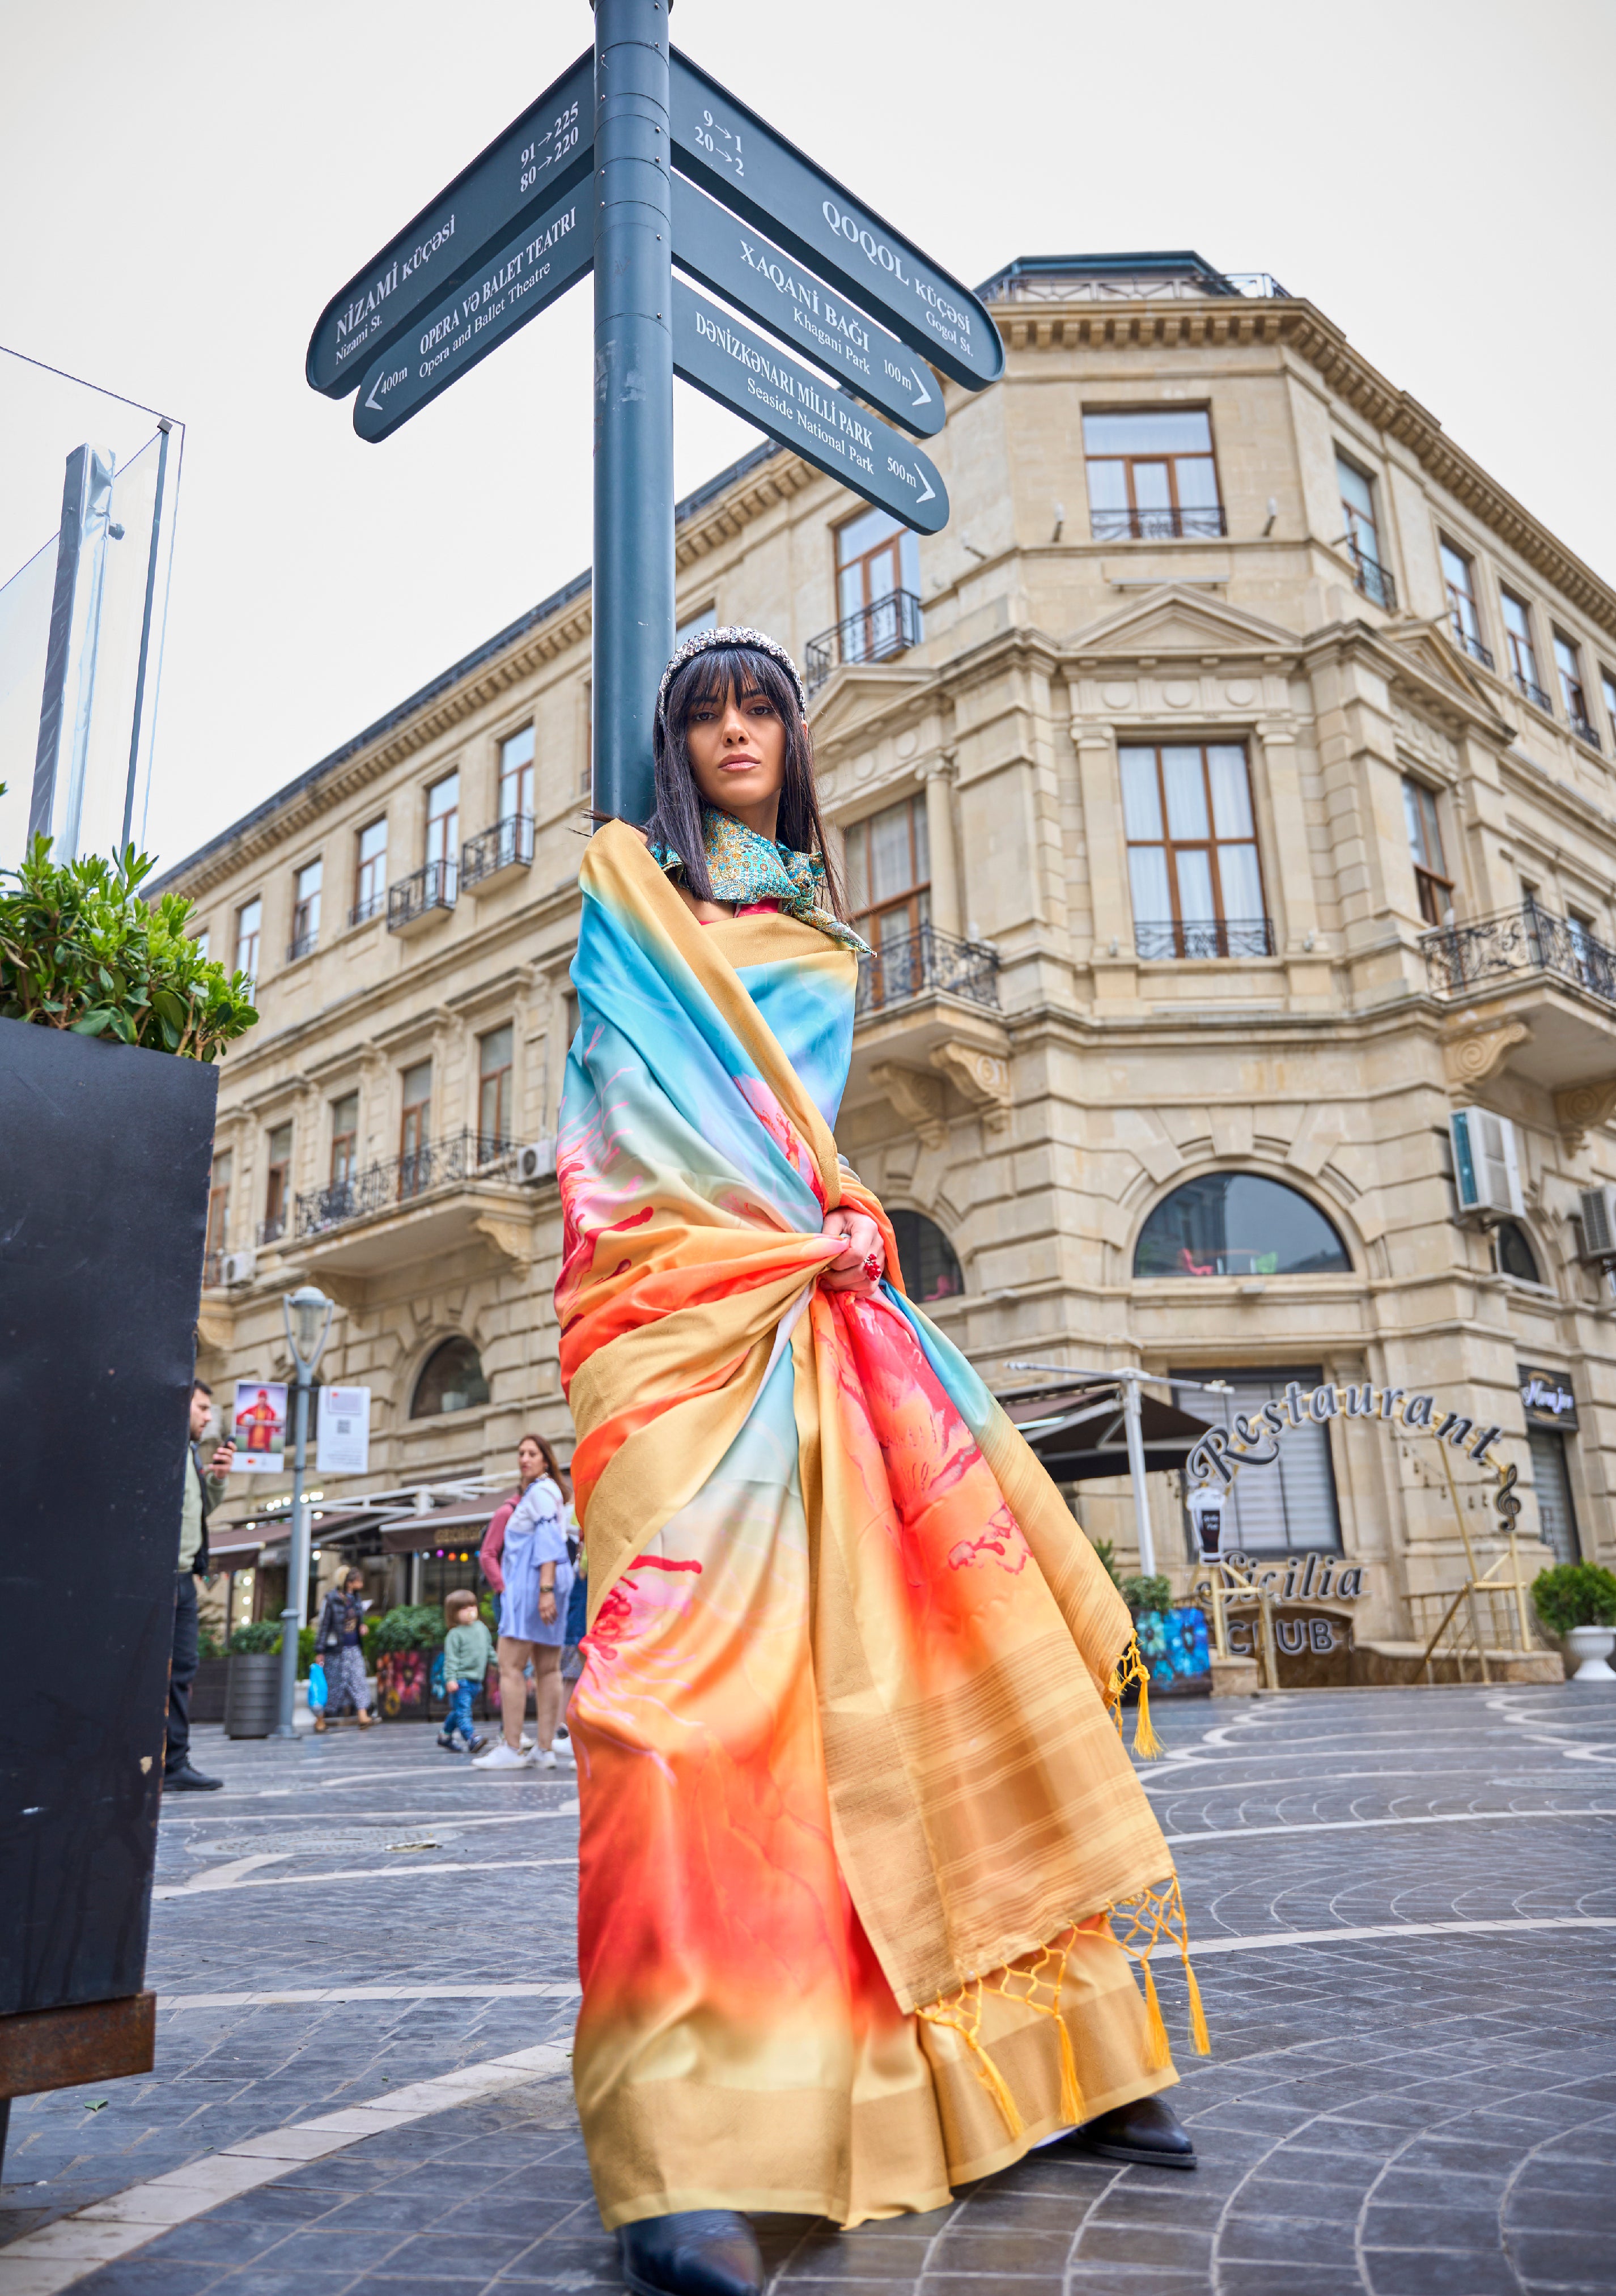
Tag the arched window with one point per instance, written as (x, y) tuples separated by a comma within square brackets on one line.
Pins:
[(1238, 1224), (451, 1380), (1512, 1254), (930, 1268)]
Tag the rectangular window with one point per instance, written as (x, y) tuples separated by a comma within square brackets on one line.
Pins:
[(1568, 663), (1522, 655), (889, 882), (344, 1139), (1425, 843), (877, 587), (1607, 686), (304, 910), (218, 1211), (443, 835), (415, 1129), (1289, 1507), (494, 1092), (1552, 1488), (370, 872), (1363, 537), (1193, 866), (1150, 474), (1459, 580), (248, 925), (278, 1185), (706, 617), (516, 776)]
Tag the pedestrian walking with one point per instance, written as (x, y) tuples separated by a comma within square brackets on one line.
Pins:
[(338, 1647), (467, 1649), (524, 1555), (202, 1493)]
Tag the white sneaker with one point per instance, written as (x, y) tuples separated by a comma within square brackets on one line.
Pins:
[(501, 1756), (545, 1762)]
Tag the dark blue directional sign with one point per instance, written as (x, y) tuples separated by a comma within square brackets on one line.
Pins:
[(519, 281), (736, 261), (826, 428), (737, 157), (544, 154)]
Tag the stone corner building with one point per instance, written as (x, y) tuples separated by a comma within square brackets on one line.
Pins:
[(1230, 794)]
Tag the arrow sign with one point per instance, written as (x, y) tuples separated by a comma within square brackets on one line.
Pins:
[(732, 153), (738, 263), (826, 428), (519, 281), (542, 154)]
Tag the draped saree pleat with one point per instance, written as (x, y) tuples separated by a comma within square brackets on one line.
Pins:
[(853, 1811)]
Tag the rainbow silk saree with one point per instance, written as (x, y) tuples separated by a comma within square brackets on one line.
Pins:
[(863, 1857)]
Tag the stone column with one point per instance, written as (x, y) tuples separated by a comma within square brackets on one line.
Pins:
[(940, 838)]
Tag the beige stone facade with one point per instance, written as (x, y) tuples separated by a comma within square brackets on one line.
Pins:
[(1046, 1089)]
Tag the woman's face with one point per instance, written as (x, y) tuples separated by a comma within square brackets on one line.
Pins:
[(736, 747), (530, 1462)]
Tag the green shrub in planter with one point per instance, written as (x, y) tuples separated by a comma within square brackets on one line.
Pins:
[(81, 949), (412, 1626), (208, 1644), (1147, 1594), (1575, 1594), (257, 1636)]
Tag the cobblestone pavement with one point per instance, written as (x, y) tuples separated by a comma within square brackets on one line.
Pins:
[(1404, 1910)]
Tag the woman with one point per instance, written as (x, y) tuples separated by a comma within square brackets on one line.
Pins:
[(340, 1650), (524, 1559), (855, 1817)]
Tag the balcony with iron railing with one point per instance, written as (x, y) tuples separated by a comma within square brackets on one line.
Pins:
[(886, 626), (304, 945), (371, 905), (1585, 733), (272, 1228), (923, 961), (1514, 943), (1183, 525), (1213, 936), (1533, 692), (1370, 578), (499, 855), (458, 1158), (417, 899), (1468, 642)]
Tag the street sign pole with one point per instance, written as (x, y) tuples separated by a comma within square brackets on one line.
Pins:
[(633, 599)]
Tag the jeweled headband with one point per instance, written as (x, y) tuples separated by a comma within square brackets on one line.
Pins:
[(732, 635)]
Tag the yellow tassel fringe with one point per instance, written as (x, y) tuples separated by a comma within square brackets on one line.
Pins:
[(1130, 1669), (962, 2014), (1139, 1925)]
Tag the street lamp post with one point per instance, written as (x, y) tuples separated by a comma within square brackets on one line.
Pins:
[(307, 1313)]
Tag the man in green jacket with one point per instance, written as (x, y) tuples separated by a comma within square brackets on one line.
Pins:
[(202, 1493)]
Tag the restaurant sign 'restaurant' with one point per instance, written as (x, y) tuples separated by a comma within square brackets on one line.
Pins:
[(1254, 1441)]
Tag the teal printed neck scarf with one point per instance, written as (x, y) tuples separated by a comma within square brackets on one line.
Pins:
[(746, 867)]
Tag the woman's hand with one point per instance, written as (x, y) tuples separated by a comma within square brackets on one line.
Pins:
[(546, 1606), (859, 1266)]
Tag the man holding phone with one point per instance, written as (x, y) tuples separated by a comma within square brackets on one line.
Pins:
[(202, 1493)]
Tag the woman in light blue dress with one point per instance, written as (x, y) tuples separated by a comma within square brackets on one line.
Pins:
[(532, 1621)]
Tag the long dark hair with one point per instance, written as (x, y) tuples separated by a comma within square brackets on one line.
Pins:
[(676, 822), (553, 1465)]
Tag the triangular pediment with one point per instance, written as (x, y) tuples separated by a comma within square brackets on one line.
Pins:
[(1177, 620), (858, 690), (1441, 663)]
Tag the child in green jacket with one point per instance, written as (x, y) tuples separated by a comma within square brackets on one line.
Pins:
[(467, 1652)]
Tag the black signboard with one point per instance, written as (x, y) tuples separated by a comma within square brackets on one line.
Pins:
[(736, 261), (729, 152), (826, 428), (1546, 1396), (541, 155), (519, 281)]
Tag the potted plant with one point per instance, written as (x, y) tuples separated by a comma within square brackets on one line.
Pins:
[(1577, 1602), (252, 1681), (404, 1641), (212, 1675), (110, 1020)]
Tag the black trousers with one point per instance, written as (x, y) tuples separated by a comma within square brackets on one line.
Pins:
[(182, 1672)]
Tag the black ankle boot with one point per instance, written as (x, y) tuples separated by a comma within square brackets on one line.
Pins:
[(698, 2252), (1147, 2133)]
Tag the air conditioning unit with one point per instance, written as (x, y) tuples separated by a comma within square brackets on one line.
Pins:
[(238, 1267), (1486, 1169), (535, 1162), (1596, 1212)]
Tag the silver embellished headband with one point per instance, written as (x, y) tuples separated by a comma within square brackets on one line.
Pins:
[(732, 634)]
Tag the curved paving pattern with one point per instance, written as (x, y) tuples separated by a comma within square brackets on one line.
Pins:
[(1423, 2110)]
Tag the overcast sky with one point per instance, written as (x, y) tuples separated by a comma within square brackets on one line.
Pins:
[(186, 183)]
